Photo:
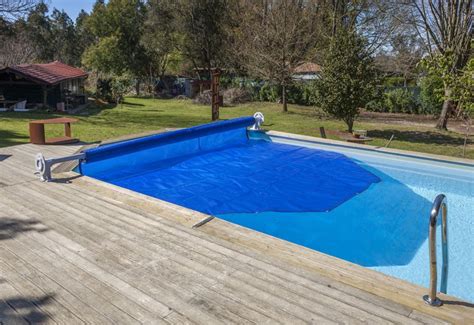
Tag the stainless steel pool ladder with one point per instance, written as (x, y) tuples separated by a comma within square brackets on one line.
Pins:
[(440, 203)]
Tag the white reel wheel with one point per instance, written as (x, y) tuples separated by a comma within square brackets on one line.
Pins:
[(259, 119), (41, 167)]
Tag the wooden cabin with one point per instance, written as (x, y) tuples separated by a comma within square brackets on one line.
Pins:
[(54, 84)]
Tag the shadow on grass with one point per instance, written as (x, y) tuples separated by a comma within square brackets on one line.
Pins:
[(18, 309), (427, 137), (10, 138), (131, 104), (12, 227)]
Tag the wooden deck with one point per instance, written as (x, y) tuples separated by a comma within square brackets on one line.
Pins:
[(81, 251)]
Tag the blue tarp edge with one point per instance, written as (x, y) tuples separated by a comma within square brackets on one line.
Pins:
[(172, 136)]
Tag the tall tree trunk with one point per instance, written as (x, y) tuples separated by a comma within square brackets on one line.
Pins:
[(350, 124), (283, 98), (445, 111)]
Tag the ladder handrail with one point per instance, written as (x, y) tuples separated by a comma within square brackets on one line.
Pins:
[(440, 203)]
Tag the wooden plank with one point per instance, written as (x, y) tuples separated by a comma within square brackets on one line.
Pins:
[(64, 244), (11, 306), (48, 303), (234, 257), (387, 287), (61, 294), (148, 253), (251, 272), (58, 273)]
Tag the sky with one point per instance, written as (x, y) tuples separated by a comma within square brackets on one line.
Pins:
[(71, 7)]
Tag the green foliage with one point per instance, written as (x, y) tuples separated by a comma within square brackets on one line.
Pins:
[(204, 25), (463, 90), (394, 82), (113, 89), (301, 93), (377, 104), (160, 38), (269, 93), (457, 81), (348, 78), (431, 95), (117, 26), (401, 100), (119, 86)]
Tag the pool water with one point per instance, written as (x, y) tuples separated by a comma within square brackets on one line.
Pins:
[(363, 206), (385, 228)]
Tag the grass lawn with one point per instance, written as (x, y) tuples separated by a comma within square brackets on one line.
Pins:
[(140, 115)]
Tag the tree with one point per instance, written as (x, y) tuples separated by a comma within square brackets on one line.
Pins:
[(204, 25), (275, 37), (117, 27), (348, 77), (13, 9), (401, 58), (38, 27), (446, 27), (84, 36), (17, 48), (160, 37), (64, 39)]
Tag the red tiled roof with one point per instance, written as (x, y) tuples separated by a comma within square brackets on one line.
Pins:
[(48, 73), (308, 67)]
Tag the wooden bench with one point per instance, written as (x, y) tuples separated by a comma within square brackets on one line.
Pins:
[(37, 134)]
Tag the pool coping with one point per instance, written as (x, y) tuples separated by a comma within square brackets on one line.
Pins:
[(375, 149)]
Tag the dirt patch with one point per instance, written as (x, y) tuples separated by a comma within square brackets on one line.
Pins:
[(454, 125)]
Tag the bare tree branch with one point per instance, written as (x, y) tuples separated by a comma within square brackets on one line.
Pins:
[(13, 9)]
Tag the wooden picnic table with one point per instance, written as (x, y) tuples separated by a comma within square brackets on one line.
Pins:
[(37, 134)]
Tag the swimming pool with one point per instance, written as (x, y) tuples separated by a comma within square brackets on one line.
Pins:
[(363, 206)]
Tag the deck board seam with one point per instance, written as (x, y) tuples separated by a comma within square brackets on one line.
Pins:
[(76, 274), (239, 252), (336, 298), (345, 303), (295, 315), (105, 316), (40, 289)]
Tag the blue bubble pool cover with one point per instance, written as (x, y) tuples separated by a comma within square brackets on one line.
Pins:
[(217, 169)]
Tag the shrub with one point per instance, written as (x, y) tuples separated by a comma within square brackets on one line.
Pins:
[(377, 104), (269, 93), (431, 99), (301, 93), (236, 96), (203, 98), (401, 100)]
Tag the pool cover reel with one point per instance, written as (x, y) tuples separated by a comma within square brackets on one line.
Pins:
[(217, 169)]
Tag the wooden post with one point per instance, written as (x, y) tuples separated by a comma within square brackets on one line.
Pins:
[(67, 129), (37, 135), (45, 96), (215, 98)]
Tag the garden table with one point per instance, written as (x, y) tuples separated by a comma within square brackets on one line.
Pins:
[(37, 134)]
